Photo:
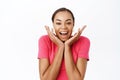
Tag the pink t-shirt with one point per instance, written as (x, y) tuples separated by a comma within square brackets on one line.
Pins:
[(47, 49)]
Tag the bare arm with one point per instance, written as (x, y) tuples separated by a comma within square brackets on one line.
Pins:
[(74, 71), (50, 71)]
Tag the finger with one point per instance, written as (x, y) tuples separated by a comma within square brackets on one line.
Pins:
[(52, 30), (47, 28), (83, 28), (74, 34), (78, 33), (79, 30), (73, 38), (49, 32)]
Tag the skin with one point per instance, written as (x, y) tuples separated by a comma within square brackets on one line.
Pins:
[(63, 22)]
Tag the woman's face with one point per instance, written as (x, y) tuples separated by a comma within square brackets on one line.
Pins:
[(63, 25)]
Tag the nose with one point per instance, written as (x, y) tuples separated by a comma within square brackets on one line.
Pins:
[(64, 26)]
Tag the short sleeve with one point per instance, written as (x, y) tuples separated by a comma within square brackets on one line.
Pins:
[(84, 48), (42, 47)]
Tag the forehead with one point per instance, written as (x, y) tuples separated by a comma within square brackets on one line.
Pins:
[(63, 15)]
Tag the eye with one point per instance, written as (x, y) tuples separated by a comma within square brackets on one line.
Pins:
[(58, 23), (69, 23)]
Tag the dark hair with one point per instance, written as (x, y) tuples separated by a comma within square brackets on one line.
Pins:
[(62, 9)]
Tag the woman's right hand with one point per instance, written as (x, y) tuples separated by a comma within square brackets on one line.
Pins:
[(54, 38)]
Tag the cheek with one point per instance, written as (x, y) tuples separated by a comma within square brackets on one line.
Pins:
[(56, 27), (56, 30), (70, 28)]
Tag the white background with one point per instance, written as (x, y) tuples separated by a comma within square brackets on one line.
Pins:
[(22, 23)]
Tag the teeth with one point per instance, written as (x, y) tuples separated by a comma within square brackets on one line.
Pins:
[(63, 33)]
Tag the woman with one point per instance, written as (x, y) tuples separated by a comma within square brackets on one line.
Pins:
[(61, 55)]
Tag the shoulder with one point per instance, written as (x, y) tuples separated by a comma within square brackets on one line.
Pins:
[(44, 39), (83, 40)]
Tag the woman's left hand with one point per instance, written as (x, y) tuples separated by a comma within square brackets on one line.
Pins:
[(74, 38)]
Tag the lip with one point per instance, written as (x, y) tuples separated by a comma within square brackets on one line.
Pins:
[(63, 35), (63, 32)]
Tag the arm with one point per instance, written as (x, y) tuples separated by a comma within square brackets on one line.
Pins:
[(74, 71), (50, 71)]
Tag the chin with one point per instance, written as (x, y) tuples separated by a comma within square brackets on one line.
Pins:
[(63, 40)]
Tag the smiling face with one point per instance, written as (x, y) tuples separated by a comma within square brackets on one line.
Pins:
[(63, 24)]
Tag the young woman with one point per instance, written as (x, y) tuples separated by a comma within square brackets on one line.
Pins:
[(61, 55)]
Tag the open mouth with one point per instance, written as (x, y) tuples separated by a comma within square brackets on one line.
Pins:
[(63, 35), (63, 32)]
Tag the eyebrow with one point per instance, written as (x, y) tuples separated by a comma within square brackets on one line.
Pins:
[(68, 20), (58, 20), (65, 20)]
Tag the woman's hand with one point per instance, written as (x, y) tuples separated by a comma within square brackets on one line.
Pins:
[(54, 38), (74, 38)]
